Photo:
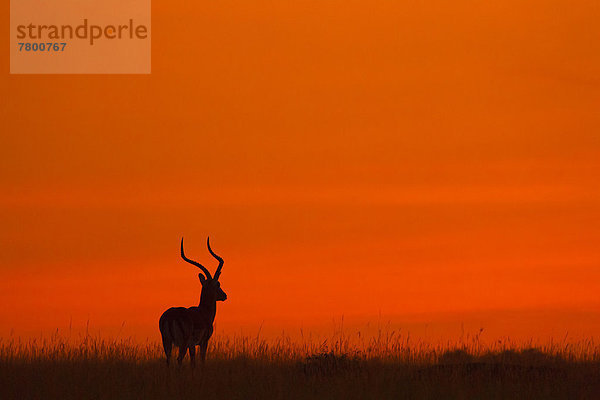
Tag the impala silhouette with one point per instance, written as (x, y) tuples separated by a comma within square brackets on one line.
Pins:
[(187, 328)]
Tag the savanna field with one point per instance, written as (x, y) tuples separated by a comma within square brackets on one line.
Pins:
[(388, 365)]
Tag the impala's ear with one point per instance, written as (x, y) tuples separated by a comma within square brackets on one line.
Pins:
[(202, 278)]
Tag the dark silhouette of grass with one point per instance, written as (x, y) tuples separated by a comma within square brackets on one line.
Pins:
[(384, 367)]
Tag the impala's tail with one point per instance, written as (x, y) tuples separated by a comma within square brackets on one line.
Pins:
[(176, 328), (167, 337)]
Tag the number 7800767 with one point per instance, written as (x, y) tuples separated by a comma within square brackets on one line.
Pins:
[(48, 46)]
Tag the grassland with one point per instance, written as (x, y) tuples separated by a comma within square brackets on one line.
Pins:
[(387, 366)]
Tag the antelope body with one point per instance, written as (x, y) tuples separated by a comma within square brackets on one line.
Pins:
[(187, 328)]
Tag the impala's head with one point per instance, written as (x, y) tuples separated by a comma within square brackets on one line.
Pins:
[(211, 287)]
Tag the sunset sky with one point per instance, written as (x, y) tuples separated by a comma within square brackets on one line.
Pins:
[(426, 163)]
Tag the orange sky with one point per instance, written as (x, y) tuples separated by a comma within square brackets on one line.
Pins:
[(418, 162)]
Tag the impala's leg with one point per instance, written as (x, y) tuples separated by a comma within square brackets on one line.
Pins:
[(167, 345), (182, 351), (193, 355), (203, 347)]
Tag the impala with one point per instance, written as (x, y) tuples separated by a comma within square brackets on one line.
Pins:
[(189, 327)]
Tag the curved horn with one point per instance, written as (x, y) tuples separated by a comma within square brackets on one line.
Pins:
[(218, 272), (194, 262)]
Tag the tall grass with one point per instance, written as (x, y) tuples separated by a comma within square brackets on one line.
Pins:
[(389, 364), (386, 346)]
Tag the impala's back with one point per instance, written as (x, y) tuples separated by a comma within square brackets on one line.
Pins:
[(177, 327)]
